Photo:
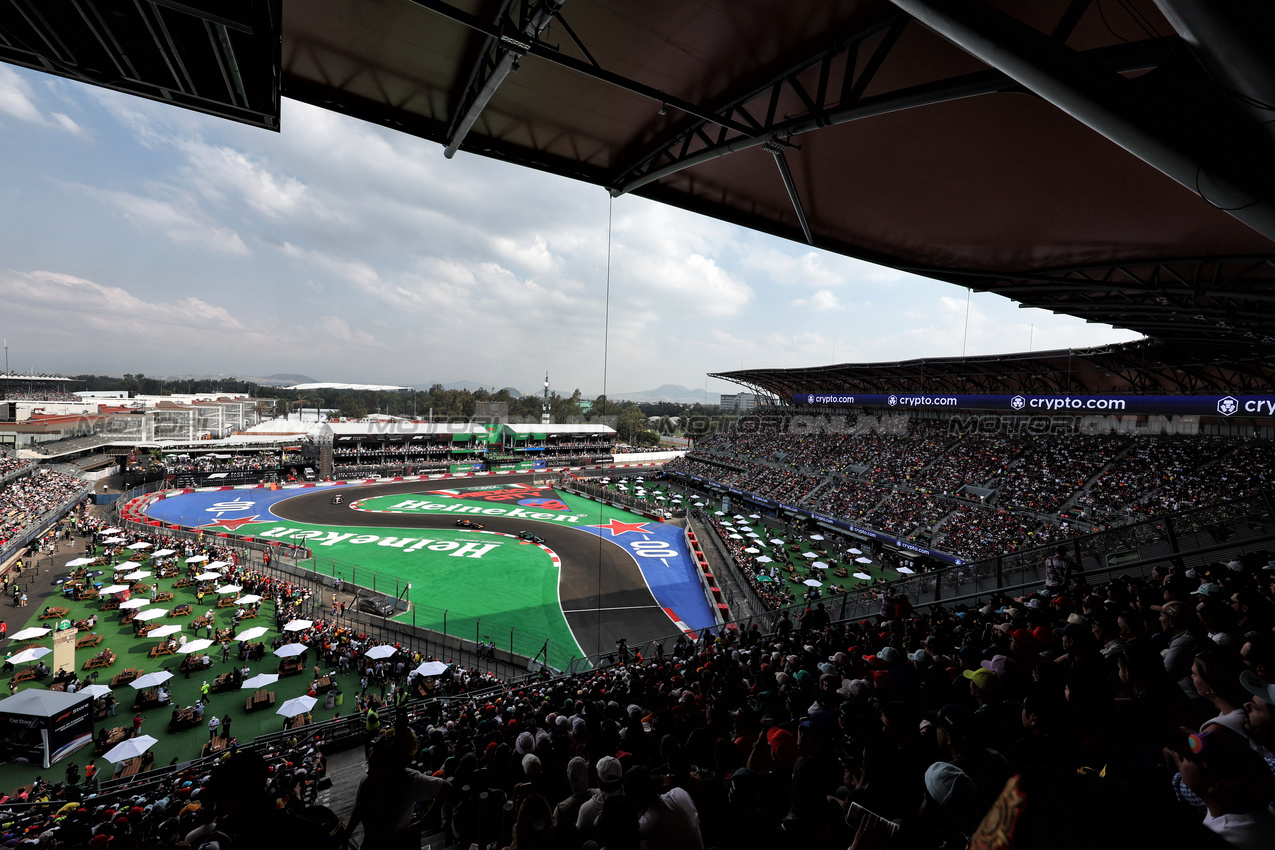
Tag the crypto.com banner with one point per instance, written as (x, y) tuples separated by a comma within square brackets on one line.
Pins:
[(1206, 405)]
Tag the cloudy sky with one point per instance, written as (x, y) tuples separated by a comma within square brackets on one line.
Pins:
[(145, 238)]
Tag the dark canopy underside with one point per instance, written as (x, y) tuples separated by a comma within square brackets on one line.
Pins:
[(1074, 155)]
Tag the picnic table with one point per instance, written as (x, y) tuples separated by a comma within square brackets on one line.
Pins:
[(184, 582), (145, 629), (184, 718), (86, 641), (182, 610), (290, 666), (105, 658), (110, 604), (200, 622), (260, 699), (225, 635), (248, 614), (225, 601), (256, 651), (167, 571), (53, 613), (147, 699), (168, 647), (113, 737), (26, 674), (133, 766), (323, 684), (163, 597), (226, 682), (125, 676)]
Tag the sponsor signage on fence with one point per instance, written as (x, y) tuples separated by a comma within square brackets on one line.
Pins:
[(1212, 405)]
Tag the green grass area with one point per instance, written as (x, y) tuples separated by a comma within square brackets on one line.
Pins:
[(133, 652)]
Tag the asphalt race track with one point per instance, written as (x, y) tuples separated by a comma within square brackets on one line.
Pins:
[(604, 596)]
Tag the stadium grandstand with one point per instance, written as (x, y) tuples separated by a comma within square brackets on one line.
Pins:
[(1114, 688)]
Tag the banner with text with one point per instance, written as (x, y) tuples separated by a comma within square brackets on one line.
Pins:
[(1211, 405)]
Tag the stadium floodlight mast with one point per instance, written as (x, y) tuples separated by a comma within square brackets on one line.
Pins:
[(544, 414)]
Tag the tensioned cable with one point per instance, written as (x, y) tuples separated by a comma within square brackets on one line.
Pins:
[(606, 331)]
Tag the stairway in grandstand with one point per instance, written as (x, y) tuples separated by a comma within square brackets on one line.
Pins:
[(808, 499)]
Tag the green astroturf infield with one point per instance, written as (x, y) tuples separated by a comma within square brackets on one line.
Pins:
[(484, 584), (133, 652)]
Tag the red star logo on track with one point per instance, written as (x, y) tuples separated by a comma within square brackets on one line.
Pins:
[(230, 524), (617, 528)]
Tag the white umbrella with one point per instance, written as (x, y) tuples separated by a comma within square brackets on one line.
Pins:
[(699, 504), (251, 634), (250, 599), (296, 705), (150, 614), (208, 577), (129, 748), (137, 575), (195, 645), (719, 513), (288, 650), (777, 541), (660, 499), (298, 625), (95, 690), (810, 582), (164, 631), (112, 530), (863, 560), (765, 559), (431, 668), (816, 537), (754, 516), (217, 565), (855, 551), (163, 553), (727, 522), (907, 570), (150, 680), (753, 551), (861, 575), (737, 537), (80, 562), (819, 565), (196, 559), (113, 540), (32, 654), (379, 652), (261, 680), (754, 535), (31, 633), (135, 603), (115, 588), (141, 545), (809, 555), (229, 588)]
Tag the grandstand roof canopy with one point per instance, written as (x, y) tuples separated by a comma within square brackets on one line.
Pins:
[(1111, 161), (1144, 368), (318, 385), (11, 376)]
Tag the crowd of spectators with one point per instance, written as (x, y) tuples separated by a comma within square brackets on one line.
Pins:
[(1140, 712), (1144, 468), (10, 464), (979, 532), (905, 514), (39, 395), (26, 499)]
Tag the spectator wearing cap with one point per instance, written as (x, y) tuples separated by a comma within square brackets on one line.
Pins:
[(568, 809), (960, 744), (666, 819), (610, 784), (1259, 715), (1235, 784), (1219, 622), (953, 798), (1178, 623)]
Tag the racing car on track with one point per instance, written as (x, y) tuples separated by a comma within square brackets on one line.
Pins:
[(531, 538), (468, 523), (338, 499)]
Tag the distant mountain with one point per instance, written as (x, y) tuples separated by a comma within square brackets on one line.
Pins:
[(513, 393), (671, 392)]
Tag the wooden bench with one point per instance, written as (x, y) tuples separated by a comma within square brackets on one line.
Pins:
[(200, 622), (167, 571), (163, 649), (224, 635), (113, 737), (132, 767), (182, 610), (86, 641), (185, 719), (53, 613), (226, 682), (110, 604), (163, 597), (26, 674), (225, 601), (125, 676), (100, 660), (144, 630), (261, 699), (290, 667), (184, 582), (248, 614)]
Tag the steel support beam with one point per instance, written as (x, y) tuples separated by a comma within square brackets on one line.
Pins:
[(508, 47), (1222, 161)]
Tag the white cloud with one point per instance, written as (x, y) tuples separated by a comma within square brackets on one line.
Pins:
[(822, 300), (18, 100), (180, 220)]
